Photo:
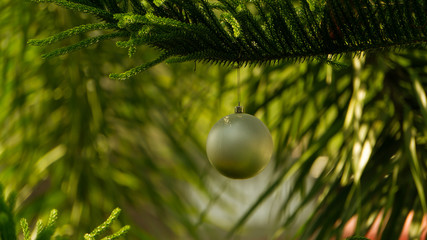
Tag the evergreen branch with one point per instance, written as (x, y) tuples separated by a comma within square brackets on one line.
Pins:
[(25, 229), (313, 26), (278, 30), (83, 44), (104, 226), (214, 28), (271, 34), (126, 19), (46, 232), (260, 45), (228, 18), (71, 32), (80, 8), (132, 72), (153, 19), (122, 231), (296, 24), (39, 226)]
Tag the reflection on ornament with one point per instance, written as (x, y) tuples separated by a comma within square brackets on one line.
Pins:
[(239, 145)]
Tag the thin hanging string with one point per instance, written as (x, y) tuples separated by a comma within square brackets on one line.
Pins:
[(238, 108), (238, 86)]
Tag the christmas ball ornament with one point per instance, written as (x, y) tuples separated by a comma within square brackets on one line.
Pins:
[(239, 145)]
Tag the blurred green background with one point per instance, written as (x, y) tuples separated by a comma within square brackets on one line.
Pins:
[(349, 141)]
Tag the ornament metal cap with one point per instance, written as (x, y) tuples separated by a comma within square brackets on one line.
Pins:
[(238, 109)]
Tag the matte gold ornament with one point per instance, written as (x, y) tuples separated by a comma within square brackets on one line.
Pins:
[(239, 145)]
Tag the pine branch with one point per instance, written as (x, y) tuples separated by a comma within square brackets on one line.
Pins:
[(231, 31), (45, 232), (83, 44), (71, 32), (104, 226), (118, 234), (132, 72), (25, 229), (80, 8)]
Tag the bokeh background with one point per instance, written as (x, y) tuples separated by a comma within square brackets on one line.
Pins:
[(349, 141)]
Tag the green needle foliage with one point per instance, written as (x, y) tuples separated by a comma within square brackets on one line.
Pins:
[(249, 31), (46, 231), (105, 225)]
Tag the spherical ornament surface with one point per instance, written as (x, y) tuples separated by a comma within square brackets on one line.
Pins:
[(239, 146)]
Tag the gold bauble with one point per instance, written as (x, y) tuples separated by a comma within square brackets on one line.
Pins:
[(239, 146)]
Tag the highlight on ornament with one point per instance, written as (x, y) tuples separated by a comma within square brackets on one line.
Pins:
[(239, 145)]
